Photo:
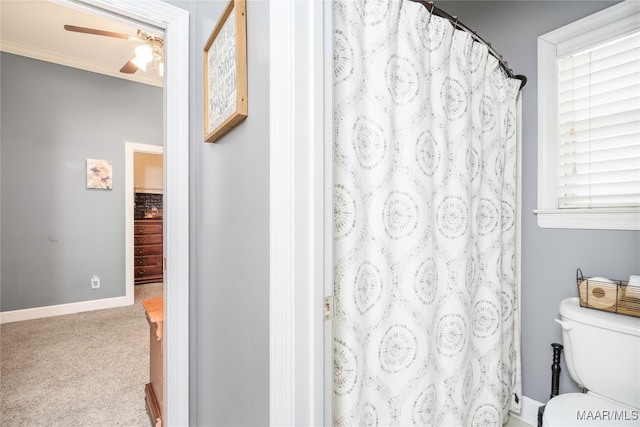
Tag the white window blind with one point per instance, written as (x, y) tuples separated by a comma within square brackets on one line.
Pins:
[(599, 126)]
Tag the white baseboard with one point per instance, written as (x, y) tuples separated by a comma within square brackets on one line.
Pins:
[(58, 310), (529, 412)]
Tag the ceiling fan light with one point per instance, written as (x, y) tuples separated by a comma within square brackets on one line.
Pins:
[(161, 69), (140, 63), (144, 55), (144, 52)]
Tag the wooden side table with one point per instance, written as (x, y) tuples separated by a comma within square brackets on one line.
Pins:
[(153, 308)]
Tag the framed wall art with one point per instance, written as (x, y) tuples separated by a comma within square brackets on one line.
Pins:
[(225, 72), (99, 174)]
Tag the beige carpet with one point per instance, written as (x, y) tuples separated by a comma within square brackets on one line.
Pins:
[(79, 370)]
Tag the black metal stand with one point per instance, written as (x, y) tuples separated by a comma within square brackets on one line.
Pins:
[(555, 378), (555, 370)]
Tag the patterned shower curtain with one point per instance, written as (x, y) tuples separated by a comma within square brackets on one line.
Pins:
[(425, 242)]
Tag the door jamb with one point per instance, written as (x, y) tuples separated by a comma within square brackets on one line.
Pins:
[(297, 213)]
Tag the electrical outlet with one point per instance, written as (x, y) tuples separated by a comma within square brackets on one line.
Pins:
[(95, 282)]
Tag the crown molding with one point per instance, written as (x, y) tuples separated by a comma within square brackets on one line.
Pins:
[(73, 62)]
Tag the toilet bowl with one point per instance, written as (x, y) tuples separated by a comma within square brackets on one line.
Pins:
[(602, 354)]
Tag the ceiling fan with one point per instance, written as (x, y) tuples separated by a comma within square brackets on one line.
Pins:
[(151, 49)]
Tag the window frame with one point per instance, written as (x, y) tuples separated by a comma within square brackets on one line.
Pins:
[(600, 27)]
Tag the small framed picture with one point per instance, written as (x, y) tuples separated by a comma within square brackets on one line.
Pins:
[(225, 72), (99, 174)]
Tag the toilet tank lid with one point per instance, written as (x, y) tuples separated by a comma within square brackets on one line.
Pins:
[(570, 309)]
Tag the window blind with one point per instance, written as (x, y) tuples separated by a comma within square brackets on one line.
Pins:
[(599, 126)]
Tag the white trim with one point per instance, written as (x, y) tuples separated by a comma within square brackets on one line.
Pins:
[(529, 412), (282, 269), (62, 309), (175, 22), (602, 26), (623, 219), (129, 194), (296, 213), (547, 125)]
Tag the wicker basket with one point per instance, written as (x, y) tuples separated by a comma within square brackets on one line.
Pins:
[(614, 296)]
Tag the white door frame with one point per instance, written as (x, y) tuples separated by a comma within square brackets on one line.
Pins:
[(129, 194), (300, 252), (175, 23)]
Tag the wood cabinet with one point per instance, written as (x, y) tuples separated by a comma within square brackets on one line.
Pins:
[(147, 250), (153, 309)]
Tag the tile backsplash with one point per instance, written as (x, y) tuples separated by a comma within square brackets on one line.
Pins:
[(147, 205)]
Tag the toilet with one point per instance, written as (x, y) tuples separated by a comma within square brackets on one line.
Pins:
[(602, 354)]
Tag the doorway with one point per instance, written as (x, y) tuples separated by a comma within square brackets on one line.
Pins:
[(153, 185), (175, 22)]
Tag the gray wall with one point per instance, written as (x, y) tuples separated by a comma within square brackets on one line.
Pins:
[(549, 256), (53, 119), (230, 238)]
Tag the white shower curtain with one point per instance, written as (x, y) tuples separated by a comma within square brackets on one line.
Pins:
[(425, 191)]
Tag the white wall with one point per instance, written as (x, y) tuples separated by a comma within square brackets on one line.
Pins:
[(147, 173)]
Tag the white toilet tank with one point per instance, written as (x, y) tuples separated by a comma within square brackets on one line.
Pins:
[(602, 351)]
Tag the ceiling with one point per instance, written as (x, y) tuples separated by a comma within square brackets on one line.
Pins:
[(34, 28)]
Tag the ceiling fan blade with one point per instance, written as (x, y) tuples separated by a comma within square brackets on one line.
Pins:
[(99, 32), (129, 68)]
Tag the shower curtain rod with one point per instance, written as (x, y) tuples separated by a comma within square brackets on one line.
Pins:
[(430, 6)]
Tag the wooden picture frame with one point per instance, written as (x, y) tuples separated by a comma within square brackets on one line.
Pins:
[(225, 72)]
